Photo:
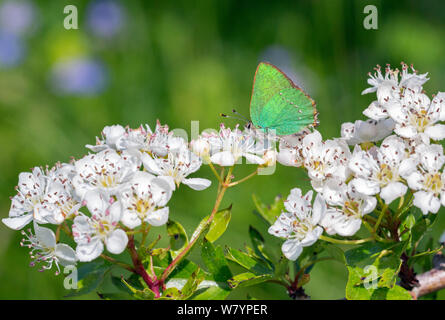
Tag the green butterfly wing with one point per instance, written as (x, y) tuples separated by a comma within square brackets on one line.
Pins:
[(277, 103)]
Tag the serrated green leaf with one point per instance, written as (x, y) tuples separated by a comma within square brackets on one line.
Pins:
[(219, 224), (178, 236), (365, 252), (192, 284), (215, 262), (248, 279), (248, 262), (268, 213), (211, 293), (335, 252), (90, 276)]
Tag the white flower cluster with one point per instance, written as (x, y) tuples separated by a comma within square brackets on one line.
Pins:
[(227, 147), (349, 182), (127, 181)]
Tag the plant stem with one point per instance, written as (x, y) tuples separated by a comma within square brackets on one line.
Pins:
[(340, 241), (154, 284), (145, 233), (198, 233), (215, 172), (244, 179), (118, 263), (382, 213)]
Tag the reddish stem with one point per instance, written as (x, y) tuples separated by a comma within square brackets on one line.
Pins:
[(153, 284)]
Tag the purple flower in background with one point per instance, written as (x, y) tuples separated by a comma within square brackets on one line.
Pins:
[(105, 18), (16, 16), (12, 50), (79, 77)]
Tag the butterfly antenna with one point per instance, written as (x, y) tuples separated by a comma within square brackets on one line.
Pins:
[(240, 115), (231, 117)]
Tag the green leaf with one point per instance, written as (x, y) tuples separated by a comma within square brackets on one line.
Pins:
[(90, 276), (265, 253), (178, 236), (248, 279), (115, 296), (219, 224), (215, 262), (335, 252), (211, 293), (171, 293), (192, 284), (248, 262), (365, 252), (268, 213), (144, 294)]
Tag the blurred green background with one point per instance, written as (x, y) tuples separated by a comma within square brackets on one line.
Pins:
[(134, 62)]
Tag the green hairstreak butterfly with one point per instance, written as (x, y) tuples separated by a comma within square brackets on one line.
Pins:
[(278, 104)]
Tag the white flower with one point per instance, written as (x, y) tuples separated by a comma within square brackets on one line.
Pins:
[(40, 198), (379, 170), (389, 88), (290, 149), (229, 146), (91, 233), (144, 200), (45, 249), (325, 159), (175, 168), (139, 140), (299, 224), (201, 147), (415, 115), (427, 179), (112, 137), (345, 209), (106, 171), (366, 131)]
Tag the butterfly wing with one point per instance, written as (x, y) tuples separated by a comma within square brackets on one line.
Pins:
[(289, 111), (267, 82), (277, 103)]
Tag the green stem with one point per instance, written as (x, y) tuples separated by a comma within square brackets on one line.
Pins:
[(379, 220), (215, 172), (118, 263), (198, 233), (339, 241), (244, 179)]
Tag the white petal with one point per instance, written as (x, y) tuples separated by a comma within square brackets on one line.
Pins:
[(66, 254), (251, 158), (45, 236), (117, 241), (159, 217), (197, 183), (312, 237), (415, 180), (405, 131), (150, 164), (407, 166), (393, 191), (318, 210), (131, 220), (367, 187), (291, 249), (426, 202), (18, 222), (349, 227), (224, 158), (89, 251), (95, 202), (436, 132)]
